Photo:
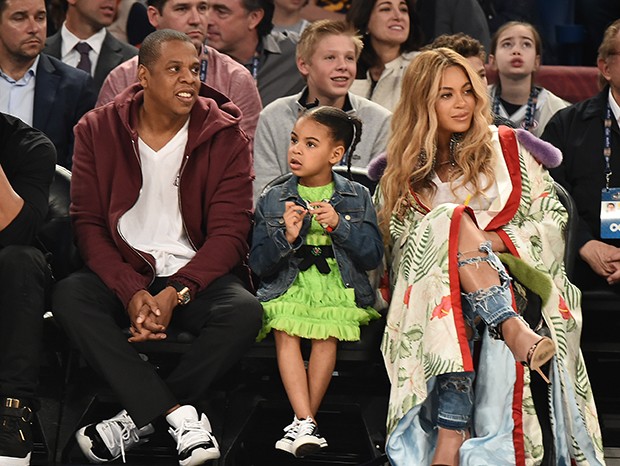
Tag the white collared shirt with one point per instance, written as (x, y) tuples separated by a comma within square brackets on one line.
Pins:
[(17, 97), (615, 108), (70, 56)]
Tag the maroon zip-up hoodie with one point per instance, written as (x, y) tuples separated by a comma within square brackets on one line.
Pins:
[(215, 186)]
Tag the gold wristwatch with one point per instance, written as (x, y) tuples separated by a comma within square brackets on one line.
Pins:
[(183, 295)]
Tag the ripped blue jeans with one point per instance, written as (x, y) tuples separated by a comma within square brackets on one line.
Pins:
[(493, 305), (455, 400)]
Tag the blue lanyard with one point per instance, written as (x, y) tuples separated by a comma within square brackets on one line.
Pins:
[(530, 110), (255, 64), (607, 146), (204, 64)]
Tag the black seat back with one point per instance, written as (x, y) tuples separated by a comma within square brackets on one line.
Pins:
[(55, 238), (570, 234)]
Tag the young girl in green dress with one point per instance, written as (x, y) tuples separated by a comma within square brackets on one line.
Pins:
[(315, 236)]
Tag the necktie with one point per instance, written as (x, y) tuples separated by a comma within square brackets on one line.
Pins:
[(83, 48)]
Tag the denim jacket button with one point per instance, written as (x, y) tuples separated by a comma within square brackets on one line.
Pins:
[(347, 217), (281, 221)]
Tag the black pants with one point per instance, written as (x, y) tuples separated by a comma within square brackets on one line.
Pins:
[(24, 279), (225, 318)]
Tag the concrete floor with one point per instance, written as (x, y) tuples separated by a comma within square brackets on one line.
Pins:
[(612, 456)]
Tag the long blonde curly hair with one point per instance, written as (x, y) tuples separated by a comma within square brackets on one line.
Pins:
[(414, 134)]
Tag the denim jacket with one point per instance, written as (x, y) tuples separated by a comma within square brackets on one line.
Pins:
[(356, 240)]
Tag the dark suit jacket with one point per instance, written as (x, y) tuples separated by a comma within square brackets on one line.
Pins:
[(579, 132), (113, 53), (62, 94)]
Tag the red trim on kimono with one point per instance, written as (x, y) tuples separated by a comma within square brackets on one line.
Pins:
[(518, 440), (455, 286), (517, 417), (418, 204), (510, 151)]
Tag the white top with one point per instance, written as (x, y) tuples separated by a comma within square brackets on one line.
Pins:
[(154, 224), (463, 194), (547, 104), (70, 56), (387, 90), (480, 204)]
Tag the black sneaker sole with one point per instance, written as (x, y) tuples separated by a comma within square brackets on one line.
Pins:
[(199, 455), (307, 449)]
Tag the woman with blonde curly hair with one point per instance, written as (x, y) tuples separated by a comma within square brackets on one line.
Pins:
[(474, 229)]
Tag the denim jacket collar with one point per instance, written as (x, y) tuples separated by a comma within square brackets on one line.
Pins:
[(342, 187)]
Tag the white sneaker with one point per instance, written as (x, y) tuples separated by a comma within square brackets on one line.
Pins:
[(195, 443), (14, 461), (308, 440), (290, 434), (109, 439)]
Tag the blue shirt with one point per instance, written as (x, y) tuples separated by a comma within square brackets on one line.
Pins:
[(17, 96)]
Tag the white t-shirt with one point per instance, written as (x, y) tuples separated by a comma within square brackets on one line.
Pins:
[(464, 195), (154, 224)]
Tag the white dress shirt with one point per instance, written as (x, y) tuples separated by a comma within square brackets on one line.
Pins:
[(70, 56)]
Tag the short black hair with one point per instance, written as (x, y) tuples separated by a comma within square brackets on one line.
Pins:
[(150, 50), (159, 4), (55, 4), (266, 24)]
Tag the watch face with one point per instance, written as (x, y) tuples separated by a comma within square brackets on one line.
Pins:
[(184, 296)]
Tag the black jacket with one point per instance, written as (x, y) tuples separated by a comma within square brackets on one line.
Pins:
[(28, 160), (578, 131), (62, 94)]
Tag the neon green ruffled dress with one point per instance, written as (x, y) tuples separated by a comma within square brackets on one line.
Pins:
[(317, 306)]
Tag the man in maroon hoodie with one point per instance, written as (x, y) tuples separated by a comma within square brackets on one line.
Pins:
[(161, 207)]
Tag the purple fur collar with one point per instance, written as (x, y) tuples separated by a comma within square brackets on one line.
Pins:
[(547, 154), (377, 166)]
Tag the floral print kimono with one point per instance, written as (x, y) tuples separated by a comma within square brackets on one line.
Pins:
[(425, 332)]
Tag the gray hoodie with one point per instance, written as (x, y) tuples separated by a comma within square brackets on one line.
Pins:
[(276, 122)]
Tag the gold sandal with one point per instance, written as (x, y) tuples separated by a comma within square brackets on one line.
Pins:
[(539, 354)]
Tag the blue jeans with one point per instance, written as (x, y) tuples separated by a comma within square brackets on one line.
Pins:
[(456, 400), (493, 305)]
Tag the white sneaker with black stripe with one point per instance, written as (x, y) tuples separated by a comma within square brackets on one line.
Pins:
[(195, 443), (290, 434), (110, 439), (308, 440)]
